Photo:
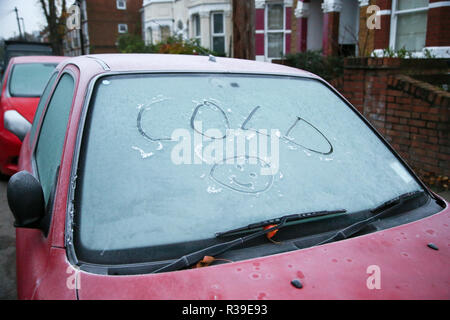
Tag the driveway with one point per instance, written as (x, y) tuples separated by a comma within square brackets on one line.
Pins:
[(8, 249)]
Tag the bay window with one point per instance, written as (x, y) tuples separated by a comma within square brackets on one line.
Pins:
[(409, 24), (218, 32)]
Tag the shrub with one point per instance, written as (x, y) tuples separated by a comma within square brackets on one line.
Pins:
[(328, 68), (129, 43)]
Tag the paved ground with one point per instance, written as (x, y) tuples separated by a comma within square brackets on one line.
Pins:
[(8, 249)]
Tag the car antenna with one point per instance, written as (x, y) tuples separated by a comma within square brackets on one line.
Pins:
[(212, 58)]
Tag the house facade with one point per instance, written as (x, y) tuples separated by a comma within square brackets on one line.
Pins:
[(273, 29), (102, 21), (364, 27), (209, 21)]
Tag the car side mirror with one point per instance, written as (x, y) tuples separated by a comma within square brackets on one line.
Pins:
[(26, 200)]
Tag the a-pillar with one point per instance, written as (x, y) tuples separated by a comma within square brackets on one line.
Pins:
[(330, 38), (301, 14)]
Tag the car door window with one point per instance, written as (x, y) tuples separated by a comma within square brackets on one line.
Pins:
[(41, 105), (52, 133)]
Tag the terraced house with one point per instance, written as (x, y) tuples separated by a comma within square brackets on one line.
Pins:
[(360, 27), (102, 21), (209, 21)]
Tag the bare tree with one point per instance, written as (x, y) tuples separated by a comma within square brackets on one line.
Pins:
[(55, 12), (244, 29)]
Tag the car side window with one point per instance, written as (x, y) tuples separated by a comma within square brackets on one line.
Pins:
[(52, 134), (41, 105)]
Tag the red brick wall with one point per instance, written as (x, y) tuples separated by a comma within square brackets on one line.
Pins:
[(103, 19), (438, 27), (412, 115)]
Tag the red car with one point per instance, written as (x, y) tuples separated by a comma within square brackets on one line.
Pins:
[(23, 83), (192, 177)]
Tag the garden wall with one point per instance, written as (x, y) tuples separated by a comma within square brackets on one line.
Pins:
[(414, 116)]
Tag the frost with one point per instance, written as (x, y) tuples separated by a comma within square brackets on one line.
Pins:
[(212, 189), (157, 202), (144, 155)]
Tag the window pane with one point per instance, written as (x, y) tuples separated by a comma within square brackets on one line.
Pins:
[(218, 23), (196, 20), (41, 106), (411, 4), (275, 45), (123, 28), (219, 45), (29, 79), (52, 134), (165, 33), (275, 17), (411, 31), (121, 4)]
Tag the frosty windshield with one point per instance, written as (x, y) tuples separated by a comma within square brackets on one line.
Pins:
[(175, 158)]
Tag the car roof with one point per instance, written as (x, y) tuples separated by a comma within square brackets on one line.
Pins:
[(36, 59), (179, 63)]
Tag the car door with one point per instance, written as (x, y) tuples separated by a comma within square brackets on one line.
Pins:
[(41, 266)]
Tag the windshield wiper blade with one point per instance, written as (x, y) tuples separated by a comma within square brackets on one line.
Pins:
[(291, 217), (194, 257), (380, 211)]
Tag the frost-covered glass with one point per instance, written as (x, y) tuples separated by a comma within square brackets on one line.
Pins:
[(132, 194), (29, 79)]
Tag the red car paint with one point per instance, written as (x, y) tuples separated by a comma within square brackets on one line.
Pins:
[(409, 269), (26, 106)]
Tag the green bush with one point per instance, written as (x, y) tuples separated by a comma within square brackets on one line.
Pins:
[(327, 67), (129, 43)]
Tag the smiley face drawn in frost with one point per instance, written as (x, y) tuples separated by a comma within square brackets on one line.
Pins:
[(242, 174)]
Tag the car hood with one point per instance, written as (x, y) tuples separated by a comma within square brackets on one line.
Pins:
[(25, 106), (395, 263)]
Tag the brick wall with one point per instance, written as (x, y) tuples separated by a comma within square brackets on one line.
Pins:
[(103, 20), (413, 116)]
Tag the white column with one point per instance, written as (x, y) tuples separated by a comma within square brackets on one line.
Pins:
[(205, 29)]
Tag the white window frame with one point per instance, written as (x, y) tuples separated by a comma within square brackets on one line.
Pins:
[(122, 24), (121, 7), (221, 34), (394, 19), (267, 31)]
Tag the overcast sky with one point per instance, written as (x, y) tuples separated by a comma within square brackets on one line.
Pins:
[(29, 10)]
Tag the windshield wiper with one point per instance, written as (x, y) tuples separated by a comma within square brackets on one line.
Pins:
[(192, 258), (380, 211), (291, 217)]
